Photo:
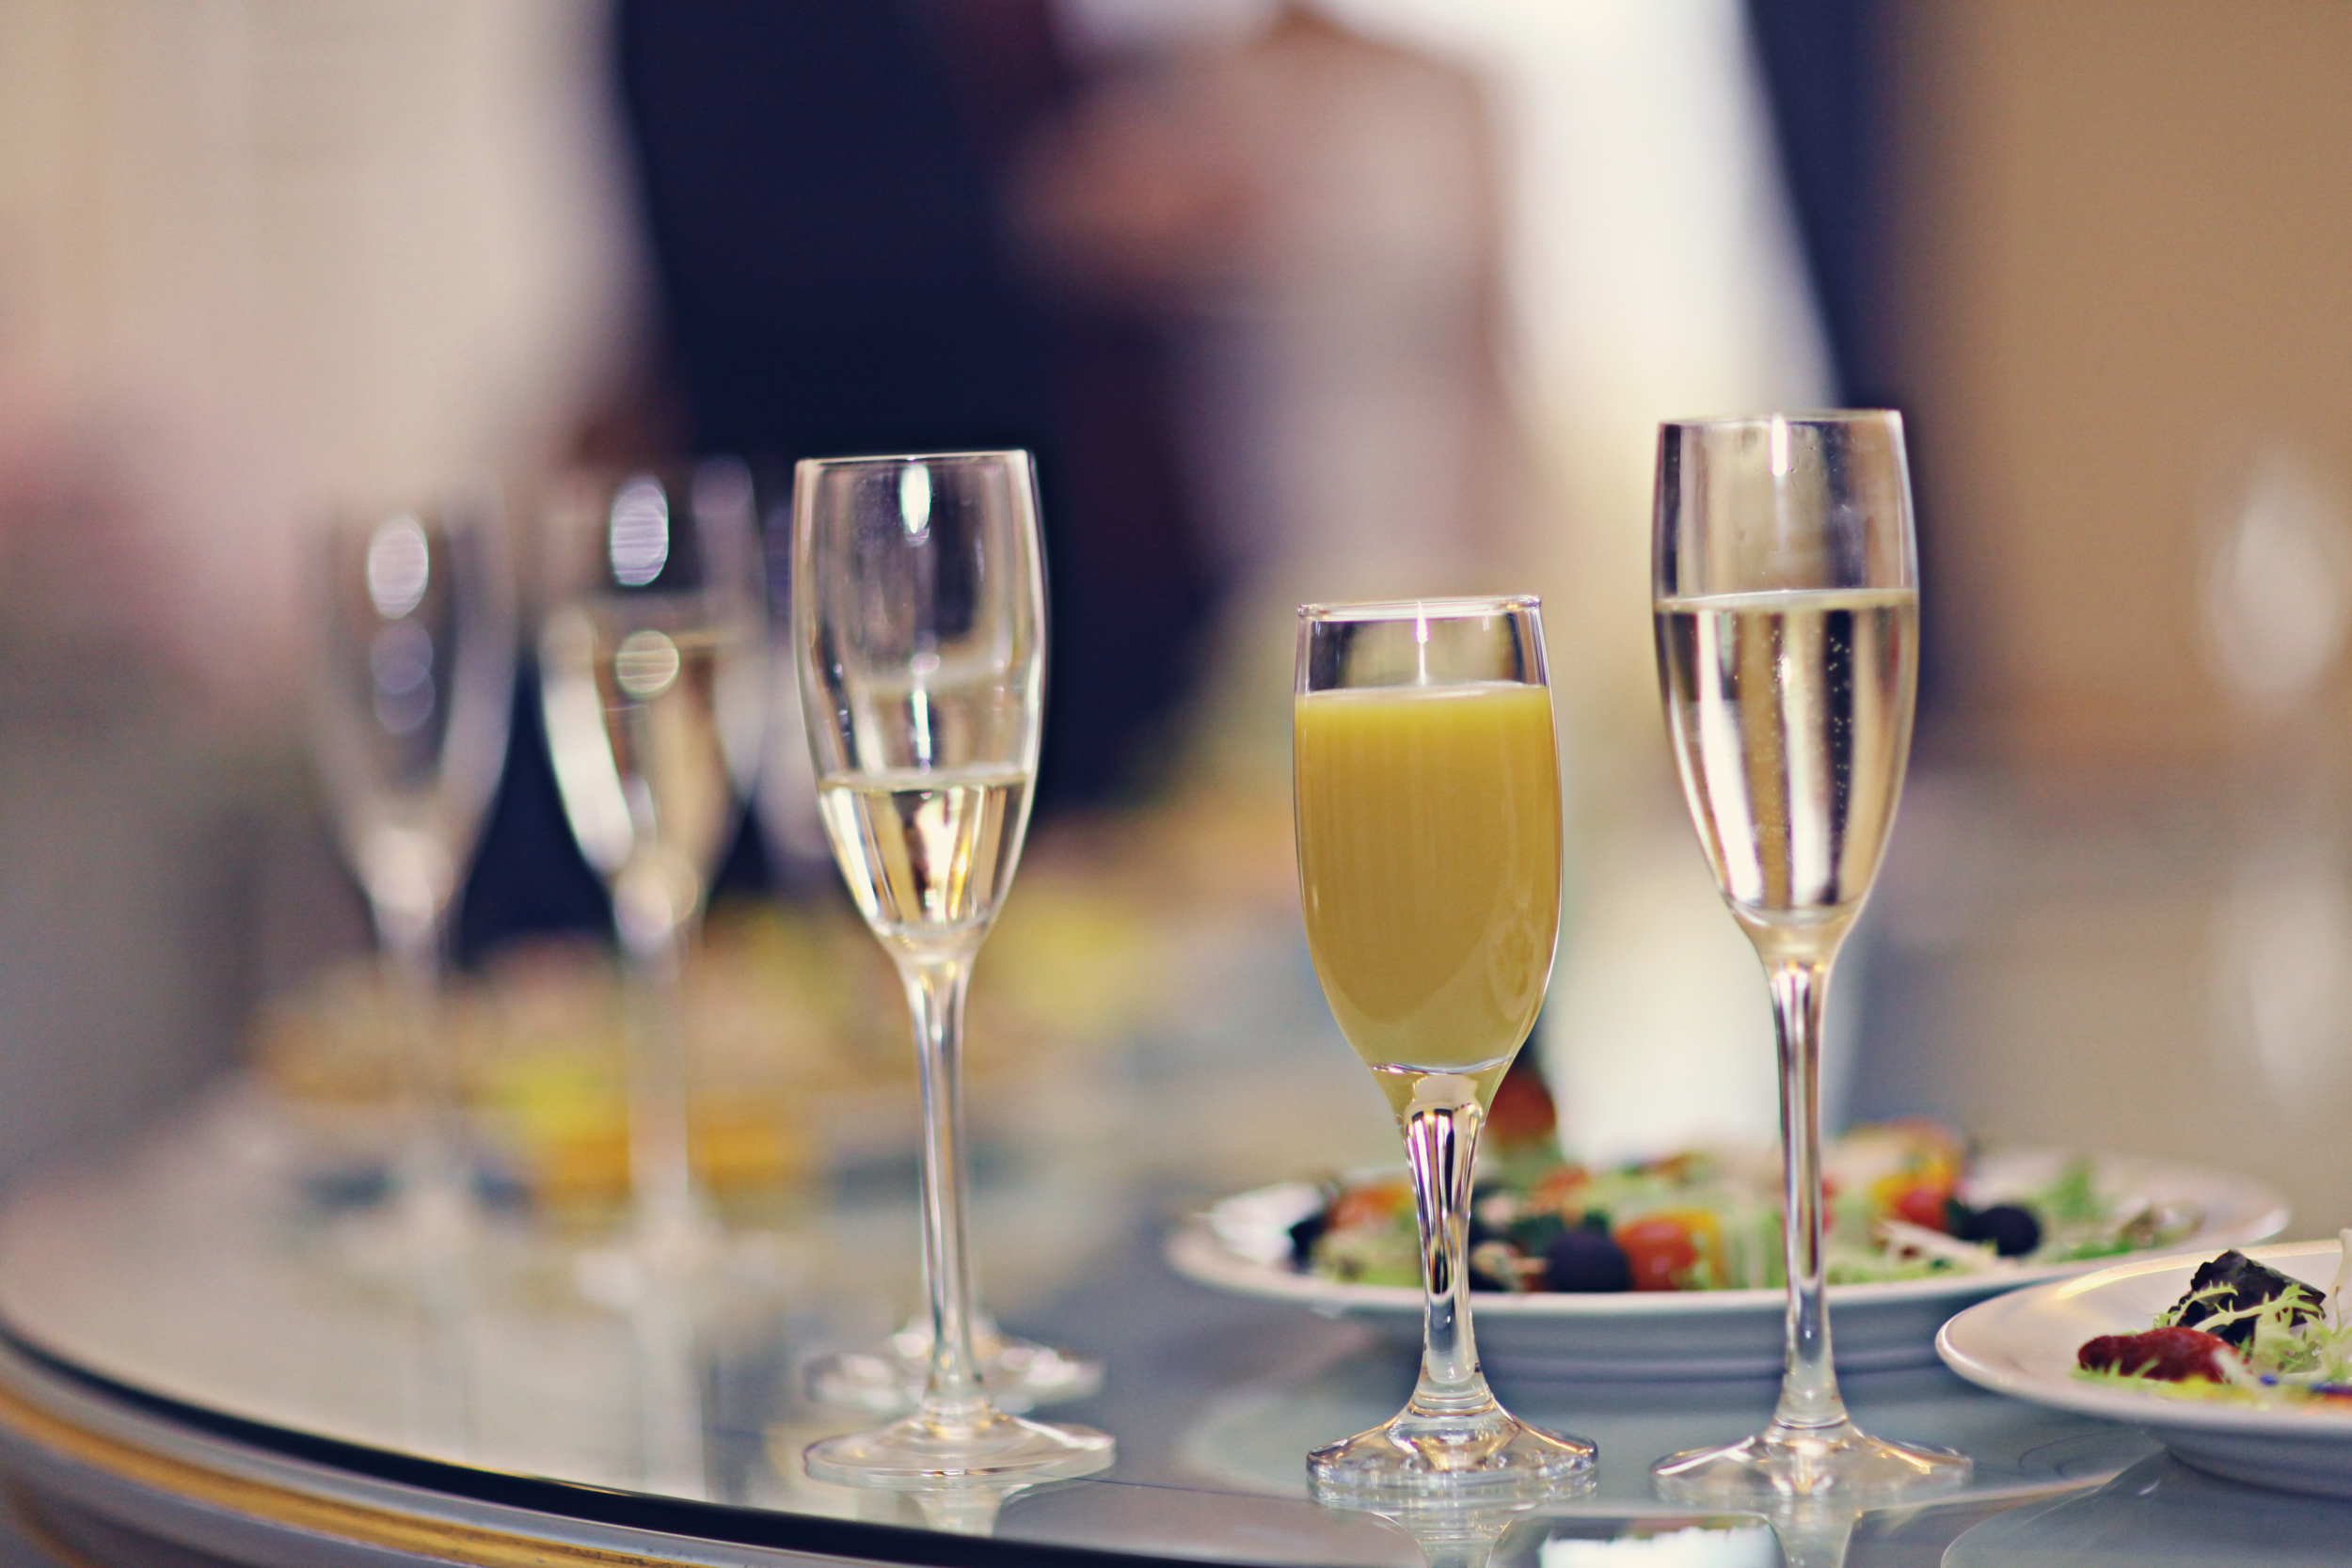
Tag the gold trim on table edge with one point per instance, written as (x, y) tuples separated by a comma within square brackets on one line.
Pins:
[(283, 1505)]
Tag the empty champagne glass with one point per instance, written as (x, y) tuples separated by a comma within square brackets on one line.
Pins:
[(1427, 790), (918, 610), (651, 659), (416, 672), (1787, 614)]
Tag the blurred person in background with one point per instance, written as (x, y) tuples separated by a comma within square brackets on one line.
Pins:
[(1441, 270), (824, 187), (1369, 298), (1319, 211)]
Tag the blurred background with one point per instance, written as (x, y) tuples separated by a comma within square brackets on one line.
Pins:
[(1346, 299)]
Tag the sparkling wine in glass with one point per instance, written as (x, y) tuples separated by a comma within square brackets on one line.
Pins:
[(651, 656), (415, 674), (886, 1377), (1787, 620), (918, 610), (1427, 790)]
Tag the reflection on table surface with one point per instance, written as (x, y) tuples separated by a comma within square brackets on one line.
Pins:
[(191, 1271), (188, 1272), (206, 1265)]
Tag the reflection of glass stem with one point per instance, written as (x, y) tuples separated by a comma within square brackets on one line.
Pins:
[(440, 1381), (1468, 1548), (669, 1391), (952, 1394), (1809, 1400), (1441, 1130), (1813, 1535), (965, 1510), (1459, 1532)]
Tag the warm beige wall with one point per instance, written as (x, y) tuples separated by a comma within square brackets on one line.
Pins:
[(2126, 252)]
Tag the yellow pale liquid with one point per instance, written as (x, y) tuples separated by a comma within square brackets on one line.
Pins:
[(1429, 863)]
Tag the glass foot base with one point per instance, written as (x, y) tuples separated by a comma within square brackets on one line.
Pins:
[(1782, 1463), (1019, 1375), (1490, 1453), (918, 1450)]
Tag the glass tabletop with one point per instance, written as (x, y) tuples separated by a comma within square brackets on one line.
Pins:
[(189, 1272), (212, 1272)]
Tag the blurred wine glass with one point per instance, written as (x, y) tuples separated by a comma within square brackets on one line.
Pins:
[(784, 795), (652, 657), (415, 675)]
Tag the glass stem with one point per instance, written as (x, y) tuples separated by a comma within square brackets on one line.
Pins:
[(953, 1395), (1808, 1391), (660, 1151), (432, 1163), (1441, 1127)]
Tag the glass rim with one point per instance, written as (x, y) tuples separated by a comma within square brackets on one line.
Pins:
[(1798, 415), (882, 459), (1453, 608)]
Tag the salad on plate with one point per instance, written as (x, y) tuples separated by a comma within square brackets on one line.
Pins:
[(1902, 1206), (2244, 1332)]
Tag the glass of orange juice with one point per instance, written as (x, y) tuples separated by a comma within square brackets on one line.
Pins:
[(1428, 789)]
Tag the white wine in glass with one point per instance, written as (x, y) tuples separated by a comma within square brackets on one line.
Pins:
[(918, 610), (927, 855), (1787, 610), (1426, 784)]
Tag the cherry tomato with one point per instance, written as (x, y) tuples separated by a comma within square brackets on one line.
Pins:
[(1923, 1204), (1661, 1250), (1372, 1204), (1555, 1190), (1522, 1112)]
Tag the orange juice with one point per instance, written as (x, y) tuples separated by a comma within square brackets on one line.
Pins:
[(1429, 864)]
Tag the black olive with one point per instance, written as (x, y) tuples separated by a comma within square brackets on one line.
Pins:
[(1532, 1234), (2243, 1283), (1303, 1238), (2013, 1231), (1586, 1261)]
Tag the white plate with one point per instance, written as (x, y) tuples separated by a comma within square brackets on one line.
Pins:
[(1243, 1245), (2024, 1345)]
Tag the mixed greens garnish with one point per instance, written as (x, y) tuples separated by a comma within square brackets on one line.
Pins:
[(2244, 1334), (1702, 1220)]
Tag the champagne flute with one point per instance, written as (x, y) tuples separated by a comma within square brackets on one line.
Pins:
[(415, 674), (885, 1378), (650, 657), (1786, 613), (918, 611), (1427, 790)]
